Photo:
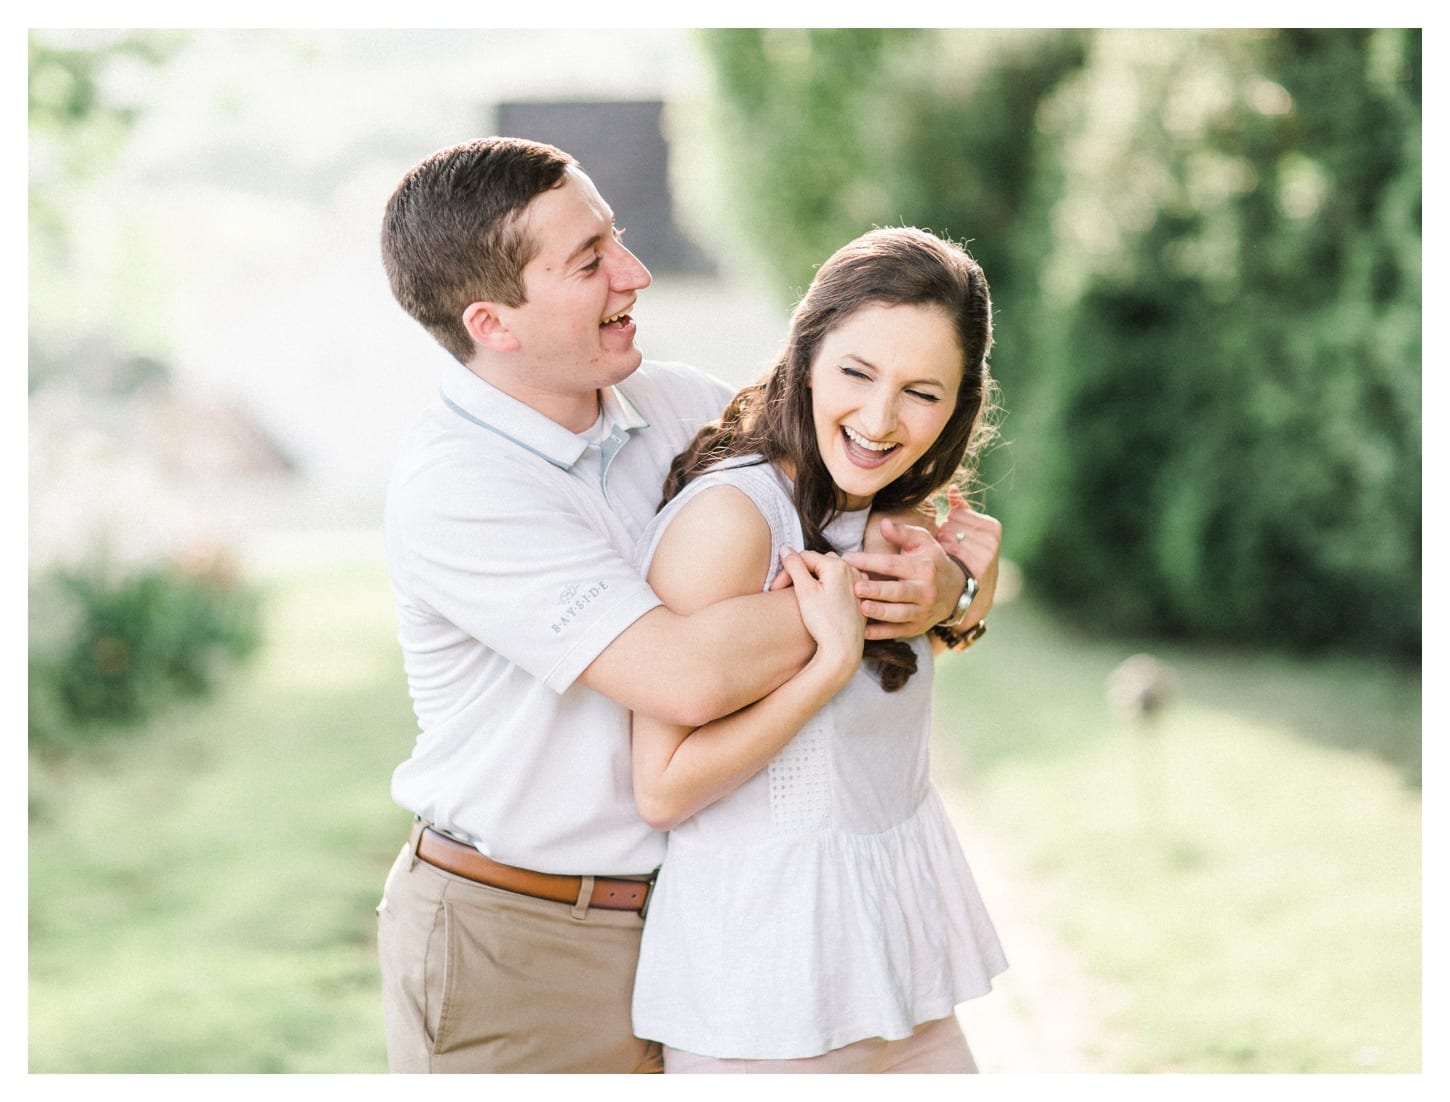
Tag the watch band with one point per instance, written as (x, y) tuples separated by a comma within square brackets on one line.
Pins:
[(964, 602), (960, 640)]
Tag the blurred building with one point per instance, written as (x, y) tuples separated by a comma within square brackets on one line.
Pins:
[(622, 146)]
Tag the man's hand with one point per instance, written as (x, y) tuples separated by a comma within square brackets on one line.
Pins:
[(912, 584)]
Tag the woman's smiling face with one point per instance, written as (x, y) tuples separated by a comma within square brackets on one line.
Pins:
[(883, 386)]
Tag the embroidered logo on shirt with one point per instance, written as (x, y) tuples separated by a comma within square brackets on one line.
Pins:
[(576, 598)]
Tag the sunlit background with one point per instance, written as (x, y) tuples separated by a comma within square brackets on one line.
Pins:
[(1186, 761)]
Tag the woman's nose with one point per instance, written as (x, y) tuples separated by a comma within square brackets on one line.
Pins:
[(878, 415)]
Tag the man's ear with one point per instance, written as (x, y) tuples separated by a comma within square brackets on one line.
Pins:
[(486, 325)]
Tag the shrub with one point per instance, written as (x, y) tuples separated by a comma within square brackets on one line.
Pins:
[(109, 649)]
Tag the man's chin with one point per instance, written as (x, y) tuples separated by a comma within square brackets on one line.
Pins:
[(622, 367)]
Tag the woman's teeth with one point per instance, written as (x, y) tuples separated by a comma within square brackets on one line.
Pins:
[(870, 445)]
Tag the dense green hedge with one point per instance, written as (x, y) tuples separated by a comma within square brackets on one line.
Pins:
[(1205, 255)]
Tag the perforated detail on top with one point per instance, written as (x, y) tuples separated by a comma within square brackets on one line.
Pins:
[(800, 781), (799, 776)]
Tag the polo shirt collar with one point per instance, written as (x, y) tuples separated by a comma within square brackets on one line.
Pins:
[(620, 411), (486, 406)]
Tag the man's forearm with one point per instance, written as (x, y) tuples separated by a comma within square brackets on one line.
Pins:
[(759, 643), (693, 669)]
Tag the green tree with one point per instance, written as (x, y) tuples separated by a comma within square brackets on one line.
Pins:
[(833, 131), (84, 104), (78, 110), (797, 106), (1229, 433)]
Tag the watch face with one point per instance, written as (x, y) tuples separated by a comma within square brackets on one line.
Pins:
[(968, 594), (964, 602)]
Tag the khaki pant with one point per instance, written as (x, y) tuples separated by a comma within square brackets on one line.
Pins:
[(477, 979), (938, 1046)]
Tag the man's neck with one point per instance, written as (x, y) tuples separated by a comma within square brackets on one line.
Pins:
[(575, 412)]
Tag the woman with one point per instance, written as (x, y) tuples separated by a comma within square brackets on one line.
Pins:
[(819, 916)]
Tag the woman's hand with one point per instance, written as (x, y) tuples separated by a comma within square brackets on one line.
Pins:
[(825, 587)]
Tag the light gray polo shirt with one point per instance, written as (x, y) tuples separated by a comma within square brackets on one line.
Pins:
[(509, 543)]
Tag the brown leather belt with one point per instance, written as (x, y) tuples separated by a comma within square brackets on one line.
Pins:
[(464, 860)]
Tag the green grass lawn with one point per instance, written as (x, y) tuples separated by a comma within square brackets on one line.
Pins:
[(202, 893), (1245, 889)]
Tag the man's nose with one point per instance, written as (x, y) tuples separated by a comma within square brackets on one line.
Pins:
[(626, 273)]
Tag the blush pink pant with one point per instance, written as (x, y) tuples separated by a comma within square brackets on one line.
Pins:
[(938, 1046)]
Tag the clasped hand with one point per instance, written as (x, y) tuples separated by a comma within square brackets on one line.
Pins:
[(908, 583), (825, 587)]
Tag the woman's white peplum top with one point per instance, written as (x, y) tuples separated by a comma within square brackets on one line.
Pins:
[(827, 899)]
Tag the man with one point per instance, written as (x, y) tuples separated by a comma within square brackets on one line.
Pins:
[(510, 922)]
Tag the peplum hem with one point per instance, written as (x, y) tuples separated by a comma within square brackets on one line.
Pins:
[(898, 937)]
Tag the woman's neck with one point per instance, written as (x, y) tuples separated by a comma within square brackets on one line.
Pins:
[(843, 502)]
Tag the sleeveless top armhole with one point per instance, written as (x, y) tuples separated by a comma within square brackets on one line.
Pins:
[(761, 483)]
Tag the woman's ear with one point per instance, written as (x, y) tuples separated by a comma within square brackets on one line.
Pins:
[(487, 326)]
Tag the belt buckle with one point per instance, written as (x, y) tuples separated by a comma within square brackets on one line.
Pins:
[(649, 894)]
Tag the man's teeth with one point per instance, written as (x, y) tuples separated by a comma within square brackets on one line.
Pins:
[(869, 445), (616, 317)]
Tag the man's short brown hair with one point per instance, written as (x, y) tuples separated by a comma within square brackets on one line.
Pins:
[(452, 234)]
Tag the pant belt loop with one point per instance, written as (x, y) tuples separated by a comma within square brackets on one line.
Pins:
[(586, 892), (413, 836)]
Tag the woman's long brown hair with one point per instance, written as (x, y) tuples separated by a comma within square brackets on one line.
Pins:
[(773, 417)]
